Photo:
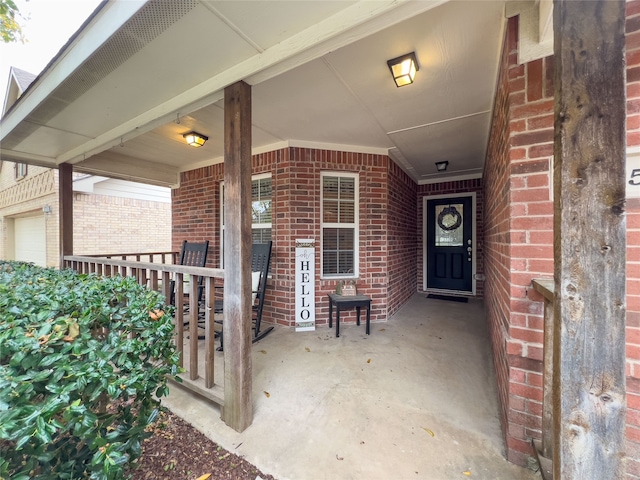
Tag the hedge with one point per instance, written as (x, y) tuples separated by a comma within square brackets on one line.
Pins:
[(83, 362)]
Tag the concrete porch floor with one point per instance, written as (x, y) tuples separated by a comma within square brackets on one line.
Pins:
[(363, 407)]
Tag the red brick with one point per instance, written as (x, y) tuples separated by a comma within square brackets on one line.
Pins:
[(531, 223), (534, 80), (538, 151), (633, 122), (531, 138), (540, 180), (632, 8), (633, 434), (633, 40), (533, 393), (539, 123), (544, 107), (530, 166), (633, 58), (527, 335)]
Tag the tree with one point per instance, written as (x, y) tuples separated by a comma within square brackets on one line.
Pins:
[(10, 29)]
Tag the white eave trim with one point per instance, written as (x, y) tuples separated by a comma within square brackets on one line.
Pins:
[(91, 36), (450, 178), (272, 147)]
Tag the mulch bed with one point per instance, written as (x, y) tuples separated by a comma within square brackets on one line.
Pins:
[(177, 451)]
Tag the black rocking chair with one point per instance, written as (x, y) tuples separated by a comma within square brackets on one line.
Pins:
[(260, 261), (193, 255)]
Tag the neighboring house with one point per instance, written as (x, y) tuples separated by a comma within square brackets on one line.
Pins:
[(110, 216), (343, 157)]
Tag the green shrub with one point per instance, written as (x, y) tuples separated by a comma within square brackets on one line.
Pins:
[(83, 360)]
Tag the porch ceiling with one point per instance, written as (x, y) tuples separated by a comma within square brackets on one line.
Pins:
[(118, 97)]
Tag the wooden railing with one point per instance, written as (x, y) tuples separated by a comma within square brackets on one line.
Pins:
[(544, 448), (184, 280), (151, 257)]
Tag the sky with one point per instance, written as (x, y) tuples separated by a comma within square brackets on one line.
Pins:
[(47, 26)]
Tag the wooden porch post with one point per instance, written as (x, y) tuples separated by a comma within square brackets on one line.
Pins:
[(589, 239), (65, 201), (238, 409)]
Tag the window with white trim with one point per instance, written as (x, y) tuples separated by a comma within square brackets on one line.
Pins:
[(339, 203), (19, 171), (261, 196)]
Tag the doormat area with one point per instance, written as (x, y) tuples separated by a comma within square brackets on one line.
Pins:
[(448, 297)]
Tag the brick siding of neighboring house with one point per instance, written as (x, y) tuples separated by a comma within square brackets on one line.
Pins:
[(102, 224), (519, 240), (105, 224)]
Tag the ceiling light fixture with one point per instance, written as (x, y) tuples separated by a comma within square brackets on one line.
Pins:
[(404, 69), (442, 166), (195, 139)]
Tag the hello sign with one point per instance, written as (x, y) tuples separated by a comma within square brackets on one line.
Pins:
[(305, 285)]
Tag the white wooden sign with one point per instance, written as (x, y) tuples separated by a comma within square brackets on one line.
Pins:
[(305, 285)]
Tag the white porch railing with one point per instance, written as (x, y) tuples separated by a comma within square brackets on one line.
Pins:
[(209, 381)]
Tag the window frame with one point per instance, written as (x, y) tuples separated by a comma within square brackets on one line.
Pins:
[(254, 226), (354, 225), (20, 171)]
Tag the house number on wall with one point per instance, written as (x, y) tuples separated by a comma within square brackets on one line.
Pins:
[(633, 175)]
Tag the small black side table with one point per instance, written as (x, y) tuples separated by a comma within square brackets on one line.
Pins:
[(341, 301)]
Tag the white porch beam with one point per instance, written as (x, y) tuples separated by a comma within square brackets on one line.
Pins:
[(111, 164)]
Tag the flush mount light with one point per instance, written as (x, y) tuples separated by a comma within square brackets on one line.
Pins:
[(442, 166), (404, 69), (195, 139)]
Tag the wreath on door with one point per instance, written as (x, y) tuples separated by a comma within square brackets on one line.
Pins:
[(449, 219)]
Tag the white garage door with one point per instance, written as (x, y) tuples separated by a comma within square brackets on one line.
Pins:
[(30, 240)]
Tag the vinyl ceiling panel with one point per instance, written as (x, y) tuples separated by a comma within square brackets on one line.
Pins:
[(462, 142), (49, 142), (455, 42), (268, 24), (164, 69), (310, 103)]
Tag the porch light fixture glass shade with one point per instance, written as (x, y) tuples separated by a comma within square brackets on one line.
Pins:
[(442, 166), (195, 139), (404, 69)]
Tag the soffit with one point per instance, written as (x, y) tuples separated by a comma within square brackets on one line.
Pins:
[(339, 93)]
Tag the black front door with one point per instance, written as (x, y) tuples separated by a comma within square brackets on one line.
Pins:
[(449, 244)]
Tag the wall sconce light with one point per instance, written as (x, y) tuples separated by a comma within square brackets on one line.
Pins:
[(46, 209), (195, 139), (403, 69), (442, 166)]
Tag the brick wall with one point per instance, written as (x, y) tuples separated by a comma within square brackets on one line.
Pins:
[(497, 237), (452, 188), (105, 224), (402, 238), (385, 265), (530, 244), (519, 240)]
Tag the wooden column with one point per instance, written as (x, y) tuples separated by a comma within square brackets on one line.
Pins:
[(65, 206), (589, 240), (238, 410)]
